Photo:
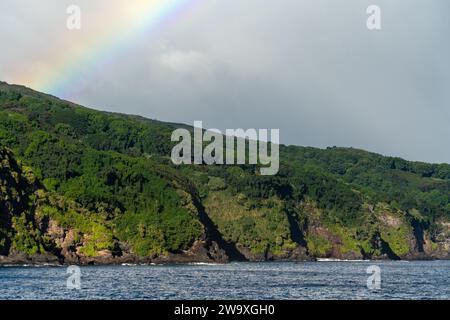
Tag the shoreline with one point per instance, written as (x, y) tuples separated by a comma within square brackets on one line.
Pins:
[(11, 264)]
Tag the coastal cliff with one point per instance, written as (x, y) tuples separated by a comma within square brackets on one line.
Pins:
[(79, 186)]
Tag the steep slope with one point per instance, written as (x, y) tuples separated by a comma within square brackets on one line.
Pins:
[(38, 226), (111, 193)]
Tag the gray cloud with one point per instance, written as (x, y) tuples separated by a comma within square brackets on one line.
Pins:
[(310, 68)]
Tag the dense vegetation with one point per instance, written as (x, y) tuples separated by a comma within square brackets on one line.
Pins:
[(108, 181)]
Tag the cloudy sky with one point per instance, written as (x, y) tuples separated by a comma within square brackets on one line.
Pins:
[(308, 67)]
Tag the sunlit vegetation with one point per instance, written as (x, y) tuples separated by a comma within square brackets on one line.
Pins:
[(114, 183)]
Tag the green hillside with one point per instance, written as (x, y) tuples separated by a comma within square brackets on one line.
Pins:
[(84, 186)]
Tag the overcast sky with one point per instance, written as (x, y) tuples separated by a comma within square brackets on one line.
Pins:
[(308, 67)]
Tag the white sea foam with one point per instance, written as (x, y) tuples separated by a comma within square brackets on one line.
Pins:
[(340, 260), (204, 264)]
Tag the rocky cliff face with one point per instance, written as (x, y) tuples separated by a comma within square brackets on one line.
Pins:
[(40, 227), (387, 234), (37, 226)]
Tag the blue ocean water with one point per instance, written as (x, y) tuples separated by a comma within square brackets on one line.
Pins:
[(270, 280)]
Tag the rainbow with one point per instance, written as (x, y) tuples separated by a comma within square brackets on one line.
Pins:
[(72, 69)]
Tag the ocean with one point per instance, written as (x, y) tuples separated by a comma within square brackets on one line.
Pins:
[(266, 280)]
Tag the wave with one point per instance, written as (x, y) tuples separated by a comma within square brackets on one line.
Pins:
[(340, 260), (204, 264)]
